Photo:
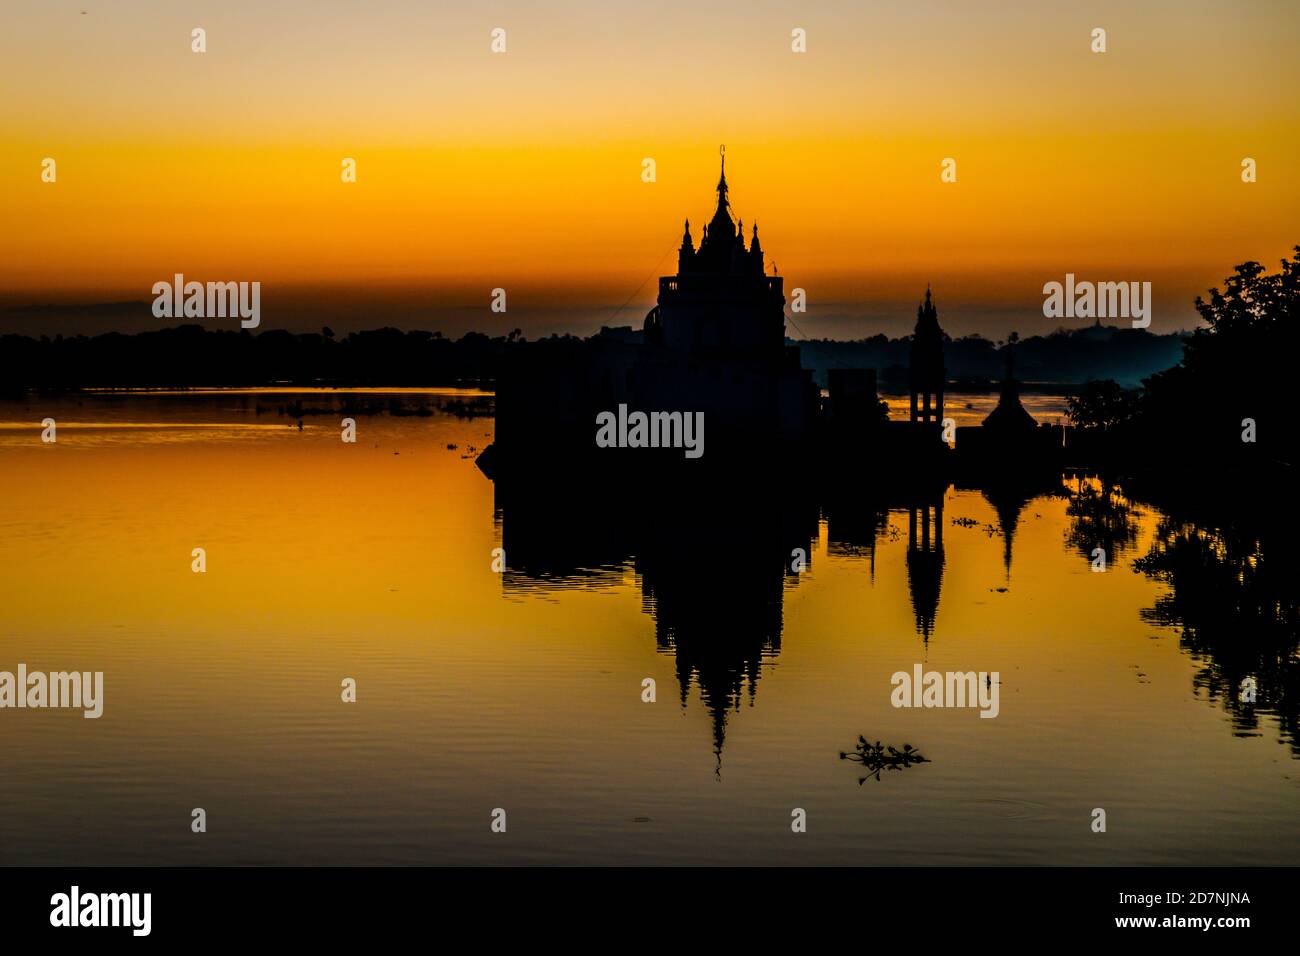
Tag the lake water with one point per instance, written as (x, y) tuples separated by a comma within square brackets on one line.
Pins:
[(522, 690)]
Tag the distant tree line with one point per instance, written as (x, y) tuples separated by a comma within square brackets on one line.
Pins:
[(1066, 356), (191, 356)]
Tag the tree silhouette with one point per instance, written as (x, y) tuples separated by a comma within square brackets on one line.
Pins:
[(1236, 368), (1102, 405)]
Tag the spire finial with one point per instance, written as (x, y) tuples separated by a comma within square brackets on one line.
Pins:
[(722, 222), (1009, 381)]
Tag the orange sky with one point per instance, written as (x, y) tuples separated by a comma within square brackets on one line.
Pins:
[(523, 170)]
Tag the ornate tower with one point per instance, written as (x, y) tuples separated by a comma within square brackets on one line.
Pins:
[(927, 374), (686, 254), (721, 302), (715, 343)]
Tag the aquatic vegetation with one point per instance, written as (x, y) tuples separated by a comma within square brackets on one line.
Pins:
[(876, 758)]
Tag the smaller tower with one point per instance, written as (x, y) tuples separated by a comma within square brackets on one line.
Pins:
[(739, 256), (927, 373), (756, 254), (1009, 422), (686, 254)]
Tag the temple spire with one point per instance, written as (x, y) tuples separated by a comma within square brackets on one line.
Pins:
[(686, 253), (1009, 417), (925, 312), (722, 214), (1011, 388), (927, 373)]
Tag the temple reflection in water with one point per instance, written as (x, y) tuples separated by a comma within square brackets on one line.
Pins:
[(715, 543), (925, 561), (713, 564)]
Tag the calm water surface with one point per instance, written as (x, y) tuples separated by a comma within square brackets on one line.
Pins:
[(522, 690)]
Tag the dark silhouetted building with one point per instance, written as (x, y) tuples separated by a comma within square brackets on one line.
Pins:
[(1009, 422), (927, 374), (715, 342)]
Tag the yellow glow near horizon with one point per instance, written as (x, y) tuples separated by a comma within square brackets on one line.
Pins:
[(524, 169)]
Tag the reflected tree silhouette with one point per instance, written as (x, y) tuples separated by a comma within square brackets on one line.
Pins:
[(1234, 600), (1101, 517)]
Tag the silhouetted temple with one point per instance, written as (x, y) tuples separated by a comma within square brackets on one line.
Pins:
[(1009, 440), (926, 375), (857, 425), (714, 346), (1009, 421), (715, 341)]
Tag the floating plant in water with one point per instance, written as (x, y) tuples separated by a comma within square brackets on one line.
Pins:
[(876, 758)]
